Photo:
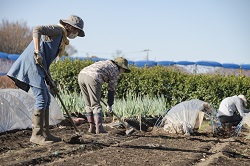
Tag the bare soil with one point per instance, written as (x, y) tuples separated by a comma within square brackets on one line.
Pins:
[(151, 147)]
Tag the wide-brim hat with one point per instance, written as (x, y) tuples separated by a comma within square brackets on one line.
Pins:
[(76, 22), (123, 63), (243, 98)]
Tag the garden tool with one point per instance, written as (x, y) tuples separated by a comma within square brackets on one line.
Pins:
[(59, 97), (129, 129)]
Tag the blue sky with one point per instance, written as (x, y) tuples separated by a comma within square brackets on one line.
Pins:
[(192, 30)]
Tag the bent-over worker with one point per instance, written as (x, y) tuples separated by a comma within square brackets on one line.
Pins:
[(91, 79)]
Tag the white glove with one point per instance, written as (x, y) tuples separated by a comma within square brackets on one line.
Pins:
[(38, 58), (109, 108)]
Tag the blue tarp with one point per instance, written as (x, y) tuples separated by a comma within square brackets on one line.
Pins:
[(3, 55), (96, 59), (144, 63), (185, 63), (13, 56), (9, 56), (245, 67), (83, 58), (149, 63), (165, 63), (230, 66), (131, 62), (209, 63)]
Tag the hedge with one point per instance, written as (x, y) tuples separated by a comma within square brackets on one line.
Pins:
[(177, 86)]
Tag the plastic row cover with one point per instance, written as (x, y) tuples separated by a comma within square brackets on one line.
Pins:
[(16, 110), (186, 116)]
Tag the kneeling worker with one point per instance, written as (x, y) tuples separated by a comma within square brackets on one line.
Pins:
[(232, 110)]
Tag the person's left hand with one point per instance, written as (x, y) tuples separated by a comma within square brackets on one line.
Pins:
[(109, 108)]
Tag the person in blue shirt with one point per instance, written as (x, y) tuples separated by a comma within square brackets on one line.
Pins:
[(48, 43)]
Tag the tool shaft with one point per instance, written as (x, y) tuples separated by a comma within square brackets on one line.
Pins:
[(59, 97)]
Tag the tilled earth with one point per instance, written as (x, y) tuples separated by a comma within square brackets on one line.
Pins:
[(146, 147), (151, 147)]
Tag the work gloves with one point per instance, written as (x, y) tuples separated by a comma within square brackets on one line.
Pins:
[(52, 86), (109, 108), (38, 58), (111, 97)]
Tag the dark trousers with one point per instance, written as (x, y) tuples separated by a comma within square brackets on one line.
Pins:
[(234, 120)]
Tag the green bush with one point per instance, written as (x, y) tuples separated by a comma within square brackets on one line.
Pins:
[(175, 85), (65, 73)]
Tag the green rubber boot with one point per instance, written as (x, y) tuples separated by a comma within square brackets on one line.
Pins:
[(37, 136), (49, 136)]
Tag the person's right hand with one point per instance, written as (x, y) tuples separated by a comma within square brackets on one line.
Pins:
[(38, 58), (53, 87)]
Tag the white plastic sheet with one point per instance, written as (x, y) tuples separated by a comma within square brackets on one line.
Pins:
[(186, 116), (246, 119), (16, 110)]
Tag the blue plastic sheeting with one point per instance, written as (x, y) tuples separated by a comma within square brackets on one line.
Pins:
[(208, 63), (9, 56), (72, 58), (185, 63), (13, 56), (75, 58), (149, 63), (165, 63), (145, 63), (96, 59), (230, 66), (3, 55), (245, 67), (131, 62), (83, 58)]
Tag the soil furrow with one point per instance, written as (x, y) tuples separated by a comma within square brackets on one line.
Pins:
[(154, 147)]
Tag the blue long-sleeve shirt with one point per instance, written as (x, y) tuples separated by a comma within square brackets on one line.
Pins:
[(25, 69)]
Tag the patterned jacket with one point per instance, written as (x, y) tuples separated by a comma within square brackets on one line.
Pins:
[(103, 71)]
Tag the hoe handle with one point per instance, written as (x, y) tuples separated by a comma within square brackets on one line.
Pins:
[(125, 125), (59, 97)]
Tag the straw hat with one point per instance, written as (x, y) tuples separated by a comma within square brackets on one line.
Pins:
[(76, 22)]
